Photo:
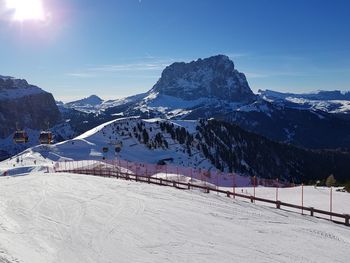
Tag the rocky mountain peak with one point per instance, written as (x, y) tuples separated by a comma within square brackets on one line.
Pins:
[(12, 83), (26, 105), (213, 77)]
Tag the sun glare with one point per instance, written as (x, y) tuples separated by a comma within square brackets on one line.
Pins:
[(26, 9)]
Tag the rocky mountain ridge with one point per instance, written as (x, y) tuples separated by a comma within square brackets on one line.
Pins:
[(213, 88)]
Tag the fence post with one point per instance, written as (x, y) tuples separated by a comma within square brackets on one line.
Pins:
[(234, 185), (278, 204), (302, 199), (228, 193), (191, 175), (166, 172), (189, 186), (254, 186), (331, 202), (208, 190), (177, 172), (147, 175), (311, 211), (347, 219), (217, 182), (252, 199)]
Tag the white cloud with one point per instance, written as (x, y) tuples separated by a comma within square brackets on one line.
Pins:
[(145, 64)]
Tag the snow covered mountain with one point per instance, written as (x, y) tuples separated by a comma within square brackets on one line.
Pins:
[(25, 106), (213, 78), (201, 144), (89, 104), (213, 88), (317, 95), (335, 102)]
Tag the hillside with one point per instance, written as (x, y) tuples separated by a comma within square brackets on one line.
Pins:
[(208, 145), (76, 218)]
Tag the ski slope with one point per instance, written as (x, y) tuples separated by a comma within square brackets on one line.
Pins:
[(89, 146), (317, 197), (77, 218)]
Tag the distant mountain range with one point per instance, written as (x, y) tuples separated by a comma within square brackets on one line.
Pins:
[(203, 89), (213, 88), (325, 101)]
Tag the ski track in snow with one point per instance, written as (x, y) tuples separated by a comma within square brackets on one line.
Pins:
[(76, 218)]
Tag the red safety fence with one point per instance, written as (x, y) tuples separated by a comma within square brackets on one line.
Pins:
[(213, 177), (229, 184)]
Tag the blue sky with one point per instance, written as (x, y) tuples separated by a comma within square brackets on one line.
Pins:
[(115, 48)]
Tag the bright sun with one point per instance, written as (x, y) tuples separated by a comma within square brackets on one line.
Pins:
[(26, 9)]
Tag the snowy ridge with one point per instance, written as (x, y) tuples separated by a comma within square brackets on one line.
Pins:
[(12, 88), (90, 145), (327, 101), (94, 104)]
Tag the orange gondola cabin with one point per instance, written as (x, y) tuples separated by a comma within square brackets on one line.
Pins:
[(20, 137), (46, 137)]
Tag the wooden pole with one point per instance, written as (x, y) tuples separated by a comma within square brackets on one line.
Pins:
[(234, 185), (302, 199), (331, 202), (177, 172), (254, 183), (166, 172), (191, 175), (217, 183)]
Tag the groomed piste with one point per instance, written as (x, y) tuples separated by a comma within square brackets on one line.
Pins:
[(48, 217)]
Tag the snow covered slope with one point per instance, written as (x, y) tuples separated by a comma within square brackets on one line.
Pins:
[(326, 101), (74, 218), (129, 133), (211, 145)]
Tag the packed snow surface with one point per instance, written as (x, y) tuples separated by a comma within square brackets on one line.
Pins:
[(79, 218), (317, 197)]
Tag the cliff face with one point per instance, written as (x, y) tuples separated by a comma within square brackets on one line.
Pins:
[(214, 77), (25, 105)]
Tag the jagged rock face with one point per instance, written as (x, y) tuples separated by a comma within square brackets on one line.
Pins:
[(214, 77), (25, 105)]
